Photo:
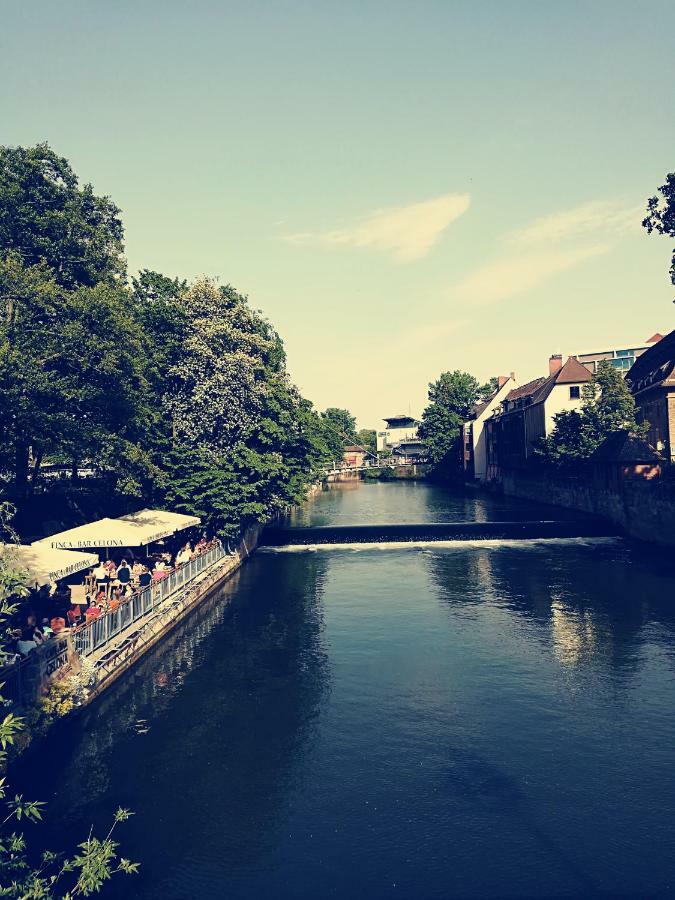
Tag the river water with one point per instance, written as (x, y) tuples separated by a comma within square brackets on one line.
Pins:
[(449, 721)]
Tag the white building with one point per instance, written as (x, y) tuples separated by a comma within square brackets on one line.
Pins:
[(474, 450), (399, 428)]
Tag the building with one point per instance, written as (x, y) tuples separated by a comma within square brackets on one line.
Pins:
[(399, 428), (652, 383), (621, 358), (622, 456), (528, 414), (354, 456), (412, 451), (474, 445)]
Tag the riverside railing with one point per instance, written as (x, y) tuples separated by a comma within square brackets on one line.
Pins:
[(89, 638)]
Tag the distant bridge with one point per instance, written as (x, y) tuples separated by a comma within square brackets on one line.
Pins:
[(376, 463)]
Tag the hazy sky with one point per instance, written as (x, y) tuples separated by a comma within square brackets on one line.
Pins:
[(402, 188)]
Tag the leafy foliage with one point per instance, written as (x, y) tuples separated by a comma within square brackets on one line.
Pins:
[(661, 214), (451, 398), (367, 438), (48, 219), (607, 406)]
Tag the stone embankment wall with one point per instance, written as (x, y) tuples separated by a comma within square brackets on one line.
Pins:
[(642, 509), (176, 613)]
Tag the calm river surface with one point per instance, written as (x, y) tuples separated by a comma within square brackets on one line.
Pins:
[(454, 721)]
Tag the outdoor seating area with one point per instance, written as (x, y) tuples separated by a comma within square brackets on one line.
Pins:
[(69, 588)]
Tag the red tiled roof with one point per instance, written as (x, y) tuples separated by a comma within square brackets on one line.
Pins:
[(525, 390), (572, 372)]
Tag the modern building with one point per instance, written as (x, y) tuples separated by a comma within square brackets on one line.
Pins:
[(474, 445), (528, 414), (652, 383), (621, 358), (399, 428)]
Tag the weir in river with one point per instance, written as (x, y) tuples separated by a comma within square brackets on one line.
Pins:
[(473, 718)]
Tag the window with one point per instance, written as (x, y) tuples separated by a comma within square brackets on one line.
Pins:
[(575, 392)]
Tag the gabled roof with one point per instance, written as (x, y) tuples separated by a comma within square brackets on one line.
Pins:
[(539, 389), (624, 447), (572, 372), (525, 390), (654, 367)]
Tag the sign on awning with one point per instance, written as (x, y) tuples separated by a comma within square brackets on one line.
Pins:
[(133, 530), (44, 565)]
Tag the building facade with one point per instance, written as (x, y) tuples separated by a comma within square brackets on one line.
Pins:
[(398, 429), (652, 383), (474, 441), (528, 414), (621, 358)]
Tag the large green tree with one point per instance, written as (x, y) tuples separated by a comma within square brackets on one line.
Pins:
[(451, 398), (607, 406), (72, 371), (661, 214), (47, 217), (245, 444)]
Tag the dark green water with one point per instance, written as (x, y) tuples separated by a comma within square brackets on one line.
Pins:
[(452, 721)]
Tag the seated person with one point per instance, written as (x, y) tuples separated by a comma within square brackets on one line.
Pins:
[(23, 647), (57, 624), (124, 572), (93, 612), (144, 578), (74, 615), (101, 574)]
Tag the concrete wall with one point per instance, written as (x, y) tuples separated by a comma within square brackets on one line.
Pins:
[(642, 509)]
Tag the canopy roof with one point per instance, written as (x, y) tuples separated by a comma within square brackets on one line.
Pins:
[(44, 564), (160, 522), (133, 530)]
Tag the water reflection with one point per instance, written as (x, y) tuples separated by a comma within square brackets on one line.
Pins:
[(204, 740), (592, 601), (359, 503)]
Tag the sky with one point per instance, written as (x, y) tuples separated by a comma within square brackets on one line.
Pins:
[(402, 188)]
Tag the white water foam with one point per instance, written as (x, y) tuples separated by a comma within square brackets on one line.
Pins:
[(476, 544)]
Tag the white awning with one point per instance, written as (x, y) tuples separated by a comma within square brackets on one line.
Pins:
[(133, 530), (44, 564), (103, 533), (159, 522)]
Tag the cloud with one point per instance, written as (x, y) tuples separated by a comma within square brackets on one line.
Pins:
[(547, 246), (406, 232), (604, 218), (506, 276)]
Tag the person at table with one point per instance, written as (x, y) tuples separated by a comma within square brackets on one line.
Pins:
[(74, 615), (31, 631), (124, 573), (101, 575), (57, 624), (159, 571), (136, 571), (93, 612), (144, 578), (184, 555)]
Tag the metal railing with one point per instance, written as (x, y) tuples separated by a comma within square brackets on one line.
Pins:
[(141, 605)]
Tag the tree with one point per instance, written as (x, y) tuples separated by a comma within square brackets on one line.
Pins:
[(661, 215), (47, 218), (607, 406), (489, 388), (451, 398), (340, 429), (367, 438), (72, 371), (245, 444)]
